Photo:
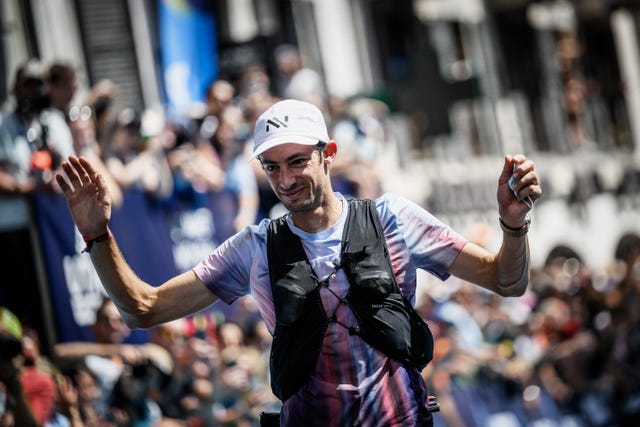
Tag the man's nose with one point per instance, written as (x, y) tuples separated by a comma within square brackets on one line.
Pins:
[(287, 177)]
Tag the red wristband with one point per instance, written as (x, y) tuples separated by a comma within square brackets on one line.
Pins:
[(101, 238)]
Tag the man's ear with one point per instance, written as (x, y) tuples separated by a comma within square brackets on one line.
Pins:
[(330, 150)]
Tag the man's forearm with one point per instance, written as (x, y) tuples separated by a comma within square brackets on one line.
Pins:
[(141, 304), (124, 287), (513, 265)]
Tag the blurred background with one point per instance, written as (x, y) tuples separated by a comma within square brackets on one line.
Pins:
[(424, 97)]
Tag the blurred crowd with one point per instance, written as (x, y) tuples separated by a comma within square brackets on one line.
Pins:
[(180, 159), (566, 353), (568, 349), (191, 372)]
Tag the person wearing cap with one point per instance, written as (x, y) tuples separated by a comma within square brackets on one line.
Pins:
[(25, 155), (26, 166), (351, 381), (21, 135)]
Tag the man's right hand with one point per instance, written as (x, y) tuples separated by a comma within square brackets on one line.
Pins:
[(87, 196)]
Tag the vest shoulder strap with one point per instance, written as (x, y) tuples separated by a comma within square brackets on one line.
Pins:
[(362, 218)]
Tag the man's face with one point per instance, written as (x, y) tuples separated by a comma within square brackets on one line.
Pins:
[(109, 326), (63, 92), (298, 174)]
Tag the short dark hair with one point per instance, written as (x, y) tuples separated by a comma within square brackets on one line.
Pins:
[(58, 72)]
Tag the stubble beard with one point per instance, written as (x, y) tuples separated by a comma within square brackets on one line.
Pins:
[(313, 201)]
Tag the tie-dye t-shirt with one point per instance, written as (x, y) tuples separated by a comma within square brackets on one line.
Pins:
[(353, 384)]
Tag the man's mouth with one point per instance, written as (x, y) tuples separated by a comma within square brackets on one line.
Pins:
[(292, 194)]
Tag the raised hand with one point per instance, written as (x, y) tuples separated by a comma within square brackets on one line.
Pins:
[(516, 199), (87, 196)]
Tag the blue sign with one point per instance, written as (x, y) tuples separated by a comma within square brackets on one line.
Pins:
[(188, 45)]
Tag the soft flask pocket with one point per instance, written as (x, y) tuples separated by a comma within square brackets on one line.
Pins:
[(291, 292)]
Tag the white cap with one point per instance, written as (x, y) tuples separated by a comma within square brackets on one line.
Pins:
[(289, 121)]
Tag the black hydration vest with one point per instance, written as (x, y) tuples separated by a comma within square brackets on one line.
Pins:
[(385, 318)]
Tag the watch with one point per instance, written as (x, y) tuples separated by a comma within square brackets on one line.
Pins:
[(516, 232)]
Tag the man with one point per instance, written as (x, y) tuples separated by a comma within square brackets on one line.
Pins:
[(122, 370), (26, 167), (62, 86), (30, 149), (25, 164), (351, 382), (294, 80)]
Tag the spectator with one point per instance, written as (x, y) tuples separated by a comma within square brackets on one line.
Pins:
[(136, 156), (26, 166), (219, 96), (88, 394), (25, 160), (62, 86), (67, 409), (195, 167), (242, 391), (101, 100), (38, 378), (296, 81), (359, 124), (167, 388), (206, 387), (122, 369), (85, 143), (15, 408), (236, 205)]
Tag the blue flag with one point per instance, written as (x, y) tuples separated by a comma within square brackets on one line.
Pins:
[(188, 45)]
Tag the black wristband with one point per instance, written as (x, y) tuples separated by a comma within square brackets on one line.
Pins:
[(515, 232)]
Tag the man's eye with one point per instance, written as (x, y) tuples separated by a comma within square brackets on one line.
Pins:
[(298, 162), (269, 168)]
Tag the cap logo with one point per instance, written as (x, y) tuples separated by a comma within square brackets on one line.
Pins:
[(274, 121)]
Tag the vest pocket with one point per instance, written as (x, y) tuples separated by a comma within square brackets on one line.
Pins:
[(392, 326), (366, 269), (291, 292)]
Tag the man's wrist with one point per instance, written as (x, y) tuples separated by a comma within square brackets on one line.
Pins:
[(515, 231), (100, 238)]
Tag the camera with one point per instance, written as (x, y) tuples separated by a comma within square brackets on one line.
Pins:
[(34, 104)]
